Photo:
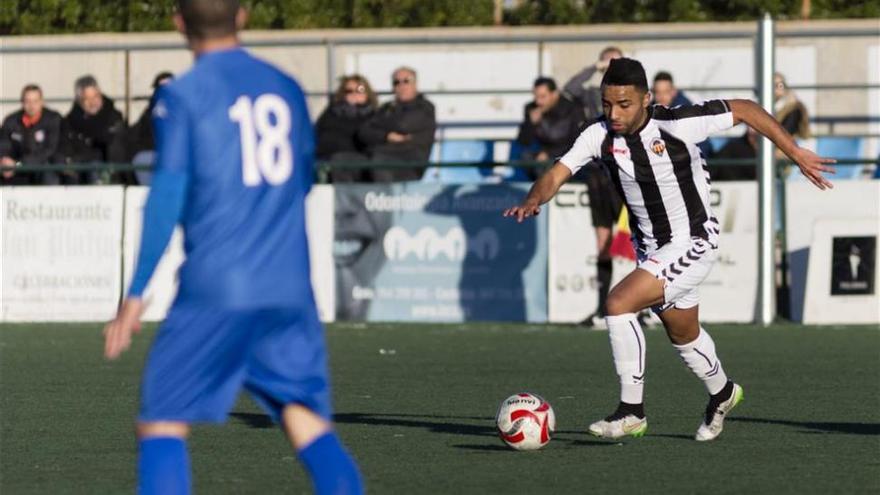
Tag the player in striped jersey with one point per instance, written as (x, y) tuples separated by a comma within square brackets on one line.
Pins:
[(654, 162)]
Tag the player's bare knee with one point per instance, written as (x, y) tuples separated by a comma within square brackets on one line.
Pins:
[(679, 337), (162, 429), (303, 425), (680, 333), (617, 304)]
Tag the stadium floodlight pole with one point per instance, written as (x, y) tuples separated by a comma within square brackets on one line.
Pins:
[(766, 45)]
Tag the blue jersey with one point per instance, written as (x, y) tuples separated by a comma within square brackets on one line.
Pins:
[(236, 132)]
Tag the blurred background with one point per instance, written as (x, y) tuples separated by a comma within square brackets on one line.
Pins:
[(484, 94)]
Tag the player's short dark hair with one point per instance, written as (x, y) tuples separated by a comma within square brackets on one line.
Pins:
[(547, 82), (30, 87), (205, 19), (663, 76), (626, 72)]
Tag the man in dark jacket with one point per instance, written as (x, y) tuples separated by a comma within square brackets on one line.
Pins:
[(551, 123), (605, 203), (667, 94), (30, 137), (140, 143), (140, 135), (401, 130), (741, 148), (93, 130)]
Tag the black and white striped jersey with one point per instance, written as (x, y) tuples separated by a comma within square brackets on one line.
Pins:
[(659, 171)]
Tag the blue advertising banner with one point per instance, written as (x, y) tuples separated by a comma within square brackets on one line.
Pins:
[(431, 252)]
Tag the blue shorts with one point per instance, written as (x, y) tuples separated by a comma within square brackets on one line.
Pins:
[(203, 356)]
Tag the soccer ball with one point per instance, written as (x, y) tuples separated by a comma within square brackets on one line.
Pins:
[(525, 421)]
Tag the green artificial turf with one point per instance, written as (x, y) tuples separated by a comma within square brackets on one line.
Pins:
[(415, 405)]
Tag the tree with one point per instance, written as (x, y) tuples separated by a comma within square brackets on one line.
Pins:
[(77, 16)]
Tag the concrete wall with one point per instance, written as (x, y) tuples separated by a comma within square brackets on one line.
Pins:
[(823, 52)]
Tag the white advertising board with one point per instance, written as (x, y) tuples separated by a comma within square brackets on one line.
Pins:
[(320, 222), (727, 295), (61, 256), (573, 292), (805, 207), (843, 272), (730, 292), (162, 288)]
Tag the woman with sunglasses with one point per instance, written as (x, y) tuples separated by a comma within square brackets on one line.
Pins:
[(353, 104)]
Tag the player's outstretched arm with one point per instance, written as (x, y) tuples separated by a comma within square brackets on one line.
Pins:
[(117, 333), (542, 191), (811, 164)]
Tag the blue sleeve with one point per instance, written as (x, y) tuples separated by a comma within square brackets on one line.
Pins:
[(306, 139), (167, 197)]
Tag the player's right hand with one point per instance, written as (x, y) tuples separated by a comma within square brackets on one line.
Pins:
[(523, 211), (117, 333)]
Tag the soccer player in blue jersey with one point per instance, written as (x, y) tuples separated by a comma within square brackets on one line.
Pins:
[(234, 165)]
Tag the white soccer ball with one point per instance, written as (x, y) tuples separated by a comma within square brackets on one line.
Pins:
[(525, 421)]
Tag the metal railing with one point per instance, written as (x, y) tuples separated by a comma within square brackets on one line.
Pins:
[(107, 169)]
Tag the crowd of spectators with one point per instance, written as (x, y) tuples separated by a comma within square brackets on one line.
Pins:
[(93, 131), (549, 126), (393, 139)]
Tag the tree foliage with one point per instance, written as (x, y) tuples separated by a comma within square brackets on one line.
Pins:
[(77, 16)]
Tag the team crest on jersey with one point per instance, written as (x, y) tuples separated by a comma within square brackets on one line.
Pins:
[(658, 146)]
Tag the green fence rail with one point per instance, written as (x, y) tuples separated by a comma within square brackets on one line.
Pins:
[(106, 170)]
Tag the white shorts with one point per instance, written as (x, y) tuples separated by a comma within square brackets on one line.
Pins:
[(682, 268)]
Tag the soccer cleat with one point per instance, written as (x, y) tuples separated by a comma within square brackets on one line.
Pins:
[(712, 425), (648, 319), (595, 321), (619, 425)]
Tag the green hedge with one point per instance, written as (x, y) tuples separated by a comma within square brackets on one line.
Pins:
[(75, 16)]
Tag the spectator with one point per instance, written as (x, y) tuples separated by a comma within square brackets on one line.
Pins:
[(665, 93), (551, 121), (401, 130), (788, 110), (743, 147), (337, 128), (30, 137), (93, 130), (140, 144), (140, 136), (604, 199), (590, 97)]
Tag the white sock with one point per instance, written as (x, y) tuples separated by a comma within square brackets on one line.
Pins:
[(628, 349), (700, 357)]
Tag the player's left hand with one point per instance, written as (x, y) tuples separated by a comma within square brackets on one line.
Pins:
[(523, 211), (117, 333), (812, 166)]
